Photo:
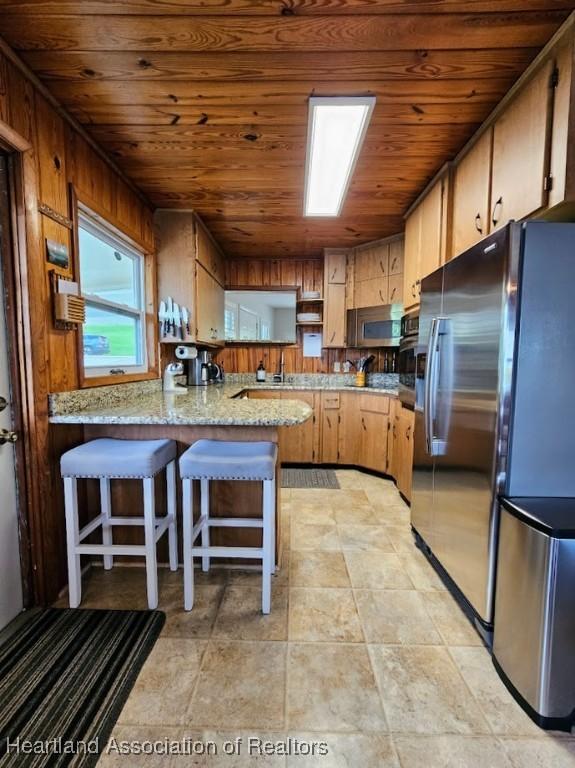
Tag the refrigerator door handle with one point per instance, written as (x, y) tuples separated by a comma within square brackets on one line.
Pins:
[(427, 393), (434, 446)]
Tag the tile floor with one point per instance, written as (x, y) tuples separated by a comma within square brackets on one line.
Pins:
[(364, 650)]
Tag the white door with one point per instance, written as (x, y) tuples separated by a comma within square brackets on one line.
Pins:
[(10, 574)]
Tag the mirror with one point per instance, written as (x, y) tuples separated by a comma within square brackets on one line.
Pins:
[(260, 316)]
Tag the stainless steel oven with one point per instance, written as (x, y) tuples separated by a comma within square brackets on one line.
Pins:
[(407, 360), (374, 326)]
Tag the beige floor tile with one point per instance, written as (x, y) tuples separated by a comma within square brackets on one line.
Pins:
[(165, 685), (240, 615), (375, 570), (544, 752), (319, 496), (501, 711), (395, 616), (401, 538), (323, 537), (331, 687), (323, 614), (346, 515), (347, 750), (384, 496), (450, 752), (243, 749), (241, 685), (312, 513), (362, 537), (128, 737), (423, 692), (421, 572), (196, 623), (349, 479), (318, 569), (452, 624), (388, 514)]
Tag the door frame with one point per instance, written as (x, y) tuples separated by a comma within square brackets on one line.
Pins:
[(14, 270)]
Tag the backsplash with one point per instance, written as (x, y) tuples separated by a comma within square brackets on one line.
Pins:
[(379, 380)]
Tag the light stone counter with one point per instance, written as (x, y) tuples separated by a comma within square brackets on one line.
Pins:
[(145, 403)]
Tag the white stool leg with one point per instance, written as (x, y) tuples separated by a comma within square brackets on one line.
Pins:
[(188, 524), (72, 539), (106, 507), (150, 542), (205, 513), (172, 529), (268, 510), (273, 526)]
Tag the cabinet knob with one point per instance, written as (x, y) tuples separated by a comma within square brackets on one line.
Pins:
[(7, 437)]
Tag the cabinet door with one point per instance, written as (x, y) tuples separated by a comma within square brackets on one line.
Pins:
[(334, 315), (405, 468), (431, 230), (395, 289), (471, 192), (411, 259), (330, 435), (208, 254), (373, 443), (371, 293), (298, 443), (521, 138), (396, 258), (335, 266), (209, 308), (393, 439), (349, 429)]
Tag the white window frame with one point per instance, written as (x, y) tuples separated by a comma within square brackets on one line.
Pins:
[(103, 230)]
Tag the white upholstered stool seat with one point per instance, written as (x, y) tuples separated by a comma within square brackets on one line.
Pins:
[(107, 459), (209, 460)]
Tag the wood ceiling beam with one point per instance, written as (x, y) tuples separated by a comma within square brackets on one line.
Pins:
[(87, 66), (285, 33)]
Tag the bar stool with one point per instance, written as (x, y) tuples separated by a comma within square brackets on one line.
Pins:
[(225, 460), (107, 459)]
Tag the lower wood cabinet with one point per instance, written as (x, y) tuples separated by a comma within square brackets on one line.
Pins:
[(300, 444), (361, 429), (404, 459)]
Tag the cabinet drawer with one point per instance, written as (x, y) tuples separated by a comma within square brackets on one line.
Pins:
[(374, 403), (331, 400)]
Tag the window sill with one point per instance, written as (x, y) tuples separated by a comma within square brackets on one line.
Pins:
[(102, 381)]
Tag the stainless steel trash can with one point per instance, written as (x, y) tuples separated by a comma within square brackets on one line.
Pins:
[(534, 628)]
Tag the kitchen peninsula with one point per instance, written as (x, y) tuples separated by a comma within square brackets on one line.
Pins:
[(143, 411)]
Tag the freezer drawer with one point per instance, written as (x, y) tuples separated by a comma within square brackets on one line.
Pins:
[(534, 634)]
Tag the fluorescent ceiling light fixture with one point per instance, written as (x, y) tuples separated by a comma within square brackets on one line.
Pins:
[(335, 133)]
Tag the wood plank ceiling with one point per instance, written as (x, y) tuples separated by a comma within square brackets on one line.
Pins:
[(203, 103)]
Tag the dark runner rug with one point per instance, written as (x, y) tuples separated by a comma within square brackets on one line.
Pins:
[(309, 478), (64, 677)]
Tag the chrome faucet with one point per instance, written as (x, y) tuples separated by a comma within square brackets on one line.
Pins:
[(279, 376)]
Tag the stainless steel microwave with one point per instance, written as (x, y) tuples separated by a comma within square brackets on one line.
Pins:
[(374, 326)]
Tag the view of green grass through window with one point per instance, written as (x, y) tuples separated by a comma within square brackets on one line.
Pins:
[(111, 280)]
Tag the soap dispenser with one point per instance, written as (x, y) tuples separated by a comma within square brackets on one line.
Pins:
[(261, 372)]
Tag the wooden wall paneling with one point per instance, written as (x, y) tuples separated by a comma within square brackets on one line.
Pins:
[(50, 356), (51, 157)]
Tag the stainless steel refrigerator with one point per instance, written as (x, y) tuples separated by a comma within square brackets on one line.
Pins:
[(494, 406)]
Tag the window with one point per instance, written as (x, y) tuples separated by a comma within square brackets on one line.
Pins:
[(230, 320), (112, 280)]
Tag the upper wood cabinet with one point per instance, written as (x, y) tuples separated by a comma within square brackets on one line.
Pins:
[(426, 237), (208, 253), (377, 274), (472, 195), (335, 266), (334, 298), (521, 147), (190, 272)]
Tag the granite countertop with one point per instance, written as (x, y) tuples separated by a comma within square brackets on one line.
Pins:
[(214, 405), (218, 404)]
